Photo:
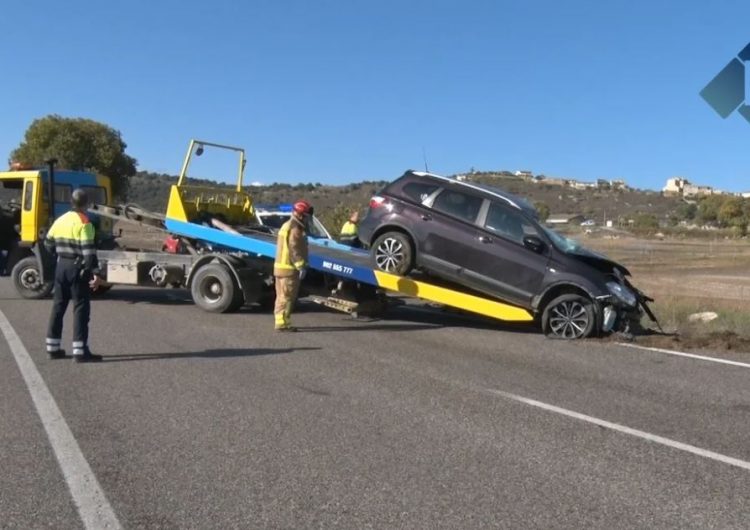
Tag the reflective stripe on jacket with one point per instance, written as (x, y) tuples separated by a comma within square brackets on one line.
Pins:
[(349, 229), (72, 236), (291, 248)]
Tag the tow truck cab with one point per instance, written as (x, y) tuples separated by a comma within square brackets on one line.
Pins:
[(25, 215)]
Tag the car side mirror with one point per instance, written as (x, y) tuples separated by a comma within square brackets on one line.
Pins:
[(534, 243)]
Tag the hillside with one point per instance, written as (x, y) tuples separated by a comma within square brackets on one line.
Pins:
[(597, 204), (151, 190)]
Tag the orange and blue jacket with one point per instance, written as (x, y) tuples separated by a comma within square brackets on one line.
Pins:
[(72, 236)]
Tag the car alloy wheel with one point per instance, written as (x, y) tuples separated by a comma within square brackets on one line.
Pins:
[(390, 255), (569, 320), (569, 316)]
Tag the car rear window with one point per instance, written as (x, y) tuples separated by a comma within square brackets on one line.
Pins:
[(456, 204), (418, 191)]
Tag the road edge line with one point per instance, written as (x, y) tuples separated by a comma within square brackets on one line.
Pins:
[(92, 504), (674, 444), (684, 354)]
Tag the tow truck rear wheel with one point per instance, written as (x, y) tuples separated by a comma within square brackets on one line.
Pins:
[(569, 317), (214, 289), (28, 280)]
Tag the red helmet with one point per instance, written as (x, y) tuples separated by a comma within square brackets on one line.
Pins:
[(303, 207)]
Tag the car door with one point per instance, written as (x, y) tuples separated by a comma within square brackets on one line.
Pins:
[(505, 267), (447, 229)]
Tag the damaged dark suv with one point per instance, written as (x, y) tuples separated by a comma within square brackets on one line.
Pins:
[(492, 242)]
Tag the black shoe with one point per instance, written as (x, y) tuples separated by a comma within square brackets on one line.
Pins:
[(87, 357), (288, 329), (59, 354)]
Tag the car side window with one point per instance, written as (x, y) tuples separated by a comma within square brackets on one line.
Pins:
[(506, 222), (418, 191), (456, 204)]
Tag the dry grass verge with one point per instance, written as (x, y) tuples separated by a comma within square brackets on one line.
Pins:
[(687, 277)]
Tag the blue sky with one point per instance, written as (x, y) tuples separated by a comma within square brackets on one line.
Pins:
[(341, 91)]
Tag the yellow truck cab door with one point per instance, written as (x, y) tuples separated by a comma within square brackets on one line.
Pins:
[(33, 210)]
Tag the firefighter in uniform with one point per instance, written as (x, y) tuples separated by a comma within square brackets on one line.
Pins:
[(71, 238), (350, 231), (291, 263)]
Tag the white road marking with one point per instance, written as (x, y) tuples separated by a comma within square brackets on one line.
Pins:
[(93, 507), (705, 453), (683, 354)]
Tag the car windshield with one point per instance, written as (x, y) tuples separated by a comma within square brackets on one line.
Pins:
[(565, 244), (274, 220)]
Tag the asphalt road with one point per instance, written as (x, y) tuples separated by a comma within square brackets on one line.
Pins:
[(197, 420)]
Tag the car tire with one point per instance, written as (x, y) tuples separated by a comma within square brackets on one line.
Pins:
[(26, 279), (214, 290), (569, 317), (393, 252)]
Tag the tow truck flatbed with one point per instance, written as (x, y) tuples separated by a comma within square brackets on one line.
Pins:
[(350, 264)]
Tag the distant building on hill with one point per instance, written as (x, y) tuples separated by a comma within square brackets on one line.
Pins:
[(681, 187), (555, 181), (675, 186)]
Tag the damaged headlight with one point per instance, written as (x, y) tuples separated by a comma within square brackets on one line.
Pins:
[(622, 293)]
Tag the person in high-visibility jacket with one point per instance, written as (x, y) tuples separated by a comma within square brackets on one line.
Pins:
[(290, 265), (350, 231), (71, 238)]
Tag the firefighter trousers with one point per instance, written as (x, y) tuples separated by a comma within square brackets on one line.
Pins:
[(287, 288), (69, 285)]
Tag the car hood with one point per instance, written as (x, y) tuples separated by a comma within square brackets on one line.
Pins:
[(598, 261)]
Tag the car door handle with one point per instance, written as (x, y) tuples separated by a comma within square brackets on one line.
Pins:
[(426, 217), (485, 239)]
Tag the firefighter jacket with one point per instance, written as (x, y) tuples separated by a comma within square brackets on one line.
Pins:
[(72, 236), (291, 248)]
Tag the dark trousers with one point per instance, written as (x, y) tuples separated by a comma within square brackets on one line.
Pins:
[(69, 285)]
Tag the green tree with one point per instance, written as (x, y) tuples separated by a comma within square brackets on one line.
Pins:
[(78, 144), (732, 213), (646, 221), (708, 209), (542, 209), (686, 211)]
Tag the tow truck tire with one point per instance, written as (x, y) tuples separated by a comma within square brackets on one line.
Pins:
[(214, 289), (26, 279), (569, 317), (393, 252)]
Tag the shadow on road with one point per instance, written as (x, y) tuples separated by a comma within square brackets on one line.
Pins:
[(367, 327), (155, 295), (206, 354), (449, 318), (415, 317)]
